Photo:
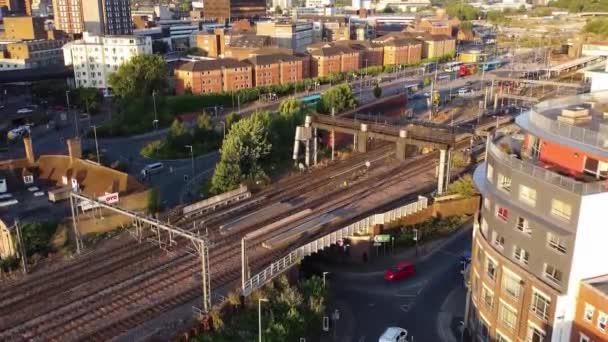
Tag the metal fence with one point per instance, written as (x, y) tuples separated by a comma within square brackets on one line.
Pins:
[(360, 227), (580, 134), (567, 183)]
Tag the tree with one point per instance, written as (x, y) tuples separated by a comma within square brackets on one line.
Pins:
[(160, 47), (178, 135), (464, 186), (139, 77), (339, 98), (153, 201), (278, 10), (87, 99), (231, 119), (377, 91), (598, 27), (37, 236), (388, 9)]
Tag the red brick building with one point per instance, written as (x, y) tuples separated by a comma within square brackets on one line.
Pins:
[(213, 76), (327, 59), (277, 69), (591, 317)]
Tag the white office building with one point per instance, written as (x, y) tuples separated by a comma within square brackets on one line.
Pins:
[(94, 58)]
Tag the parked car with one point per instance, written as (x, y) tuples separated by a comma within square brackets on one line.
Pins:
[(403, 270), (18, 132), (394, 334), (24, 111)]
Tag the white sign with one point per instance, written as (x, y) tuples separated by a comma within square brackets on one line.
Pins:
[(75, 184), (87, 205), (109, 198)]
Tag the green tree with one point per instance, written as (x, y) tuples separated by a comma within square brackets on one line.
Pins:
[(37, 237), (87, 99), (244, 150), (139, 77), (278, 10), (597, 26), (388, 9), (377, 91), (178, 135), (231, 119), (464, 186), (340, 98), (153, 201)]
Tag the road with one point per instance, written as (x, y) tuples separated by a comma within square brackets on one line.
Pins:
[(371, 304)]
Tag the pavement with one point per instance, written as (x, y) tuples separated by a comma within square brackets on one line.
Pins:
[(430, 305)]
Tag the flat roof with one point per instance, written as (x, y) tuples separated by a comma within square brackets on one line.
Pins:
[(599, 283)]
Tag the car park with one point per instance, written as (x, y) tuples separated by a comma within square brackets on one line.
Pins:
[(403, 270)]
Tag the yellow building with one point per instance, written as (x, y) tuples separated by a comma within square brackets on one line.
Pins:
[(30, 28), (472, 56)]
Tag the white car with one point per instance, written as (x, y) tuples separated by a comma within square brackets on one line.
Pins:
[(18, 132), (394, 334), (24, 111)]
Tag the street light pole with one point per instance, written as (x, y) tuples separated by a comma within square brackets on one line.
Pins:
[(67, 99), (324, 274), (260, 300), (96, 145), (191, 157), (155, 114)]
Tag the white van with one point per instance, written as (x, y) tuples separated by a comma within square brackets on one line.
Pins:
[(152, 169), (394, 334)]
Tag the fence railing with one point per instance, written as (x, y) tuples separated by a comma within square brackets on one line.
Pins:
[(360, 227), (567, 183)]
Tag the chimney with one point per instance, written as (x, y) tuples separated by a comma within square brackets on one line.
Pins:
[(29, 149), (74, 148)]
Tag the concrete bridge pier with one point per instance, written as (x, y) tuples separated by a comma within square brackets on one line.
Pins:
[(362, 139), (443, 174), (402, 145)]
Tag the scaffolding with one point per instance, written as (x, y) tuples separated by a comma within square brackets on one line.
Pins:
[(163, 234)]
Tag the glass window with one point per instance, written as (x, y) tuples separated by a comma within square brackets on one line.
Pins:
[(602, 321), (501, 338), (540, 305), (589, 309), (484, 227), (553, 273), (535, 334), (523, 226), (507, 315), (487, 296), (527, 195), (521, 255), (486, 203), (561, 209), (490, 172), (491, 269), (584, 338), (511, 284), (504, 182), (498, 240), (556, 243), (502, 213)]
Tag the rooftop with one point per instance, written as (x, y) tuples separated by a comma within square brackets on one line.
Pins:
[(576, 121), (213, 64), (272, 58), (599, 283), (250, 41)]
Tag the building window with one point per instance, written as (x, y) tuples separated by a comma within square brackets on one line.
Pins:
[(540, 305), (561, 209), (527, 195), (552, 273), (521, 255), (484, 227), (523, 226), (535, 334), (584, 338), (490, 172), (507, 315), (487, 296), (556, 243), (486, 203), (498, 240), (502, 213), (491, 269), (589, 309), (511, 284), (504, 182), (501, 338), (602, 321)]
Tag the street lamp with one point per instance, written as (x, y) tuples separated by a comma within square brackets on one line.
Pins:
[(260, 300), (96, 145), (324, 274), (191, 157), (67, 99), (155, 122)]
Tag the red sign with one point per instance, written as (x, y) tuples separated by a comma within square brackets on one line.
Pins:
[(109, 198)]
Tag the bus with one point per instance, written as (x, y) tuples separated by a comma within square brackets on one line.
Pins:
[(491, 65), (311, 100), (452, 66)]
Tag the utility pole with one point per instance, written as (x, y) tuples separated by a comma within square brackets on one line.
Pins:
[(96, 145), (333, 135), (155, 114), (21, 247)]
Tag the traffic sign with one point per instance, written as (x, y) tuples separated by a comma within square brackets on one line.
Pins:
[(382, 238)]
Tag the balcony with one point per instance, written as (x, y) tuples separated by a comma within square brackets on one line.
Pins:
[(547, 173), (542, 120)]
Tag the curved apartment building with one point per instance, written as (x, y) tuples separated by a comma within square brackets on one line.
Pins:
[(541, 227)]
